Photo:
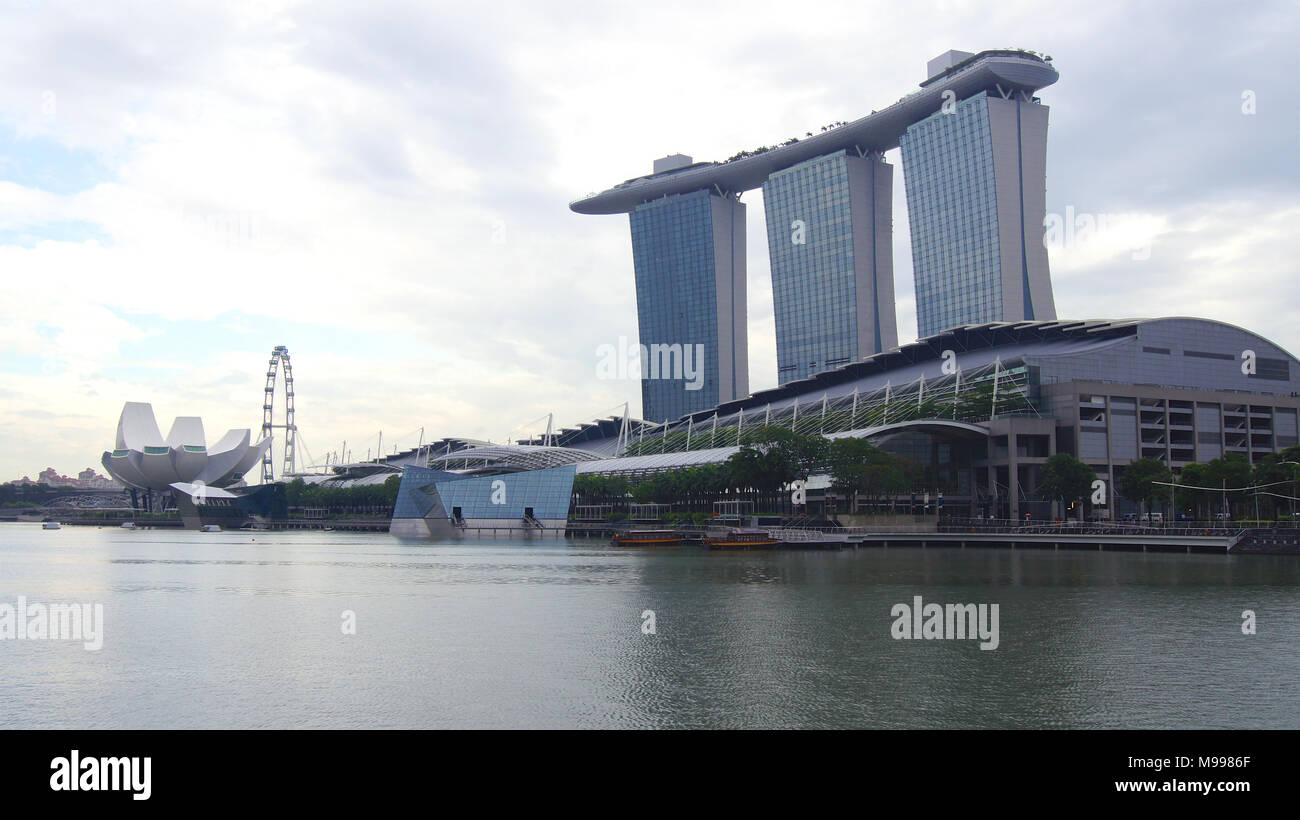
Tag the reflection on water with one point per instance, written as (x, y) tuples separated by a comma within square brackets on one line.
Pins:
[(217, 630)]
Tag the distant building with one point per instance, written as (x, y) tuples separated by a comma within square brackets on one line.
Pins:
[(99, 482), (87, 479), (51, 478)]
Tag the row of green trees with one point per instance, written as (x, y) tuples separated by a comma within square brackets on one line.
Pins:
[(770, 460), (1146, 482), (774, 457), (860, 469), (1275, 477), (19, 496), (374, 499)]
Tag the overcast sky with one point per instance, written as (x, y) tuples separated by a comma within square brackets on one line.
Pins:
[(383, 188)]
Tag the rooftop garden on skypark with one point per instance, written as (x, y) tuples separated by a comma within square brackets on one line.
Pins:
[(1005, 52), (996, 52), (763, 149)]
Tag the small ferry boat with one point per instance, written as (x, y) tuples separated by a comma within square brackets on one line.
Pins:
[(646, 538), (51, 525), (738, 539)]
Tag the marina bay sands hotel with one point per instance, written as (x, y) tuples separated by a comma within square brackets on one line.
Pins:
[(974, 152)]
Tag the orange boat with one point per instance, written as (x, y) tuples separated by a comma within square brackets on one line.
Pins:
[(646, 538), (742, 540)]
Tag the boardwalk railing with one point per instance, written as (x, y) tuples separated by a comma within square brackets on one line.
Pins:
[(1011, 526)]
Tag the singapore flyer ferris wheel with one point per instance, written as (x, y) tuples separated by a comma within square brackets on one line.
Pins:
[(279, 359)]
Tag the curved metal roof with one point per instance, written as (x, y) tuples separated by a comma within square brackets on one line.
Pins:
[(346, 481), (658, 461), (925, 425), (975, 346), (878, 131), (515, 457)]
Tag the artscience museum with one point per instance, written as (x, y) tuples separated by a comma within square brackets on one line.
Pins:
[(182, 462)]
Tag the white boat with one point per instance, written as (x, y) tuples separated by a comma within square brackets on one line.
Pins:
[(128, 525), (210, 528), (51, 525)]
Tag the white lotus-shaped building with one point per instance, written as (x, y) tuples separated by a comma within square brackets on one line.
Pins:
[(145, 460)]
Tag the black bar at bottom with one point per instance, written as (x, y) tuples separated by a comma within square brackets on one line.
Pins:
[(308, 768)]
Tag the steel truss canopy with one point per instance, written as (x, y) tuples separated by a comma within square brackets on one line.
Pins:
[(509, 458), (991, 337), (1003, 72), (598, 436), (660, 462)]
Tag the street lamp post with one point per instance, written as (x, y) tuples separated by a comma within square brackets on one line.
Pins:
[(1292, 493), (1290, 497)]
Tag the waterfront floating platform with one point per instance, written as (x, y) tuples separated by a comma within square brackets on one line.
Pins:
[(1219, 543), (1236, 542)]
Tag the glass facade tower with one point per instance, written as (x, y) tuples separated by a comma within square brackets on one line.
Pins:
[(973, 140), (976, 200), (829, 230), (688, 251)]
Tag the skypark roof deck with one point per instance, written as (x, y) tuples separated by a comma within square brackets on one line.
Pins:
[(1008, 73)]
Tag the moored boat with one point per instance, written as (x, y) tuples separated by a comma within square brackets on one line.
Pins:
[(51, 525), (646, 538)]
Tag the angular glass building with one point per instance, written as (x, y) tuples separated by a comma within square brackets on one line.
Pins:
[(448, 504), (975, 174), (688, 251), (828, 233)]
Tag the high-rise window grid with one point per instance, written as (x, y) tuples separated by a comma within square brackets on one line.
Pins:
[(813, 281), (952, 211), (676, 288)]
